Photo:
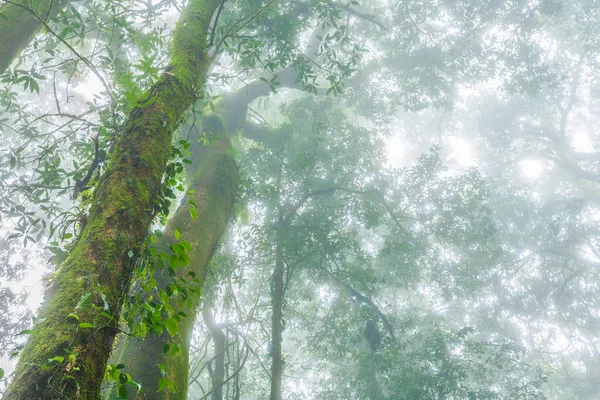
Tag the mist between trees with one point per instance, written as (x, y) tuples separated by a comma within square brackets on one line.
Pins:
[(315, 199)]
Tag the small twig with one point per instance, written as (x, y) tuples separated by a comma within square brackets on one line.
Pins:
[(244, 21), (71, 116), (82, 58), (55, 94), (212, 34), (80, 185), (367, 17)]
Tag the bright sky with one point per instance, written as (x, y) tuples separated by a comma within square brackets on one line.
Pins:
[(461, 152), (89, 87), (531, 168)]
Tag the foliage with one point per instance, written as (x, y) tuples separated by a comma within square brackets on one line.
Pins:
[(480, 280)]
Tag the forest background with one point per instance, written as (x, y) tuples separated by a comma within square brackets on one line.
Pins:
[(299, 199)]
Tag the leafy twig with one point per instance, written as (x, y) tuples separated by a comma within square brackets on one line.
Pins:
[(82, 58)]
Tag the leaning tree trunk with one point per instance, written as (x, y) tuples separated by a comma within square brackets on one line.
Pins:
[(215, 184), (19, 22), (149, 352), (74, 330)]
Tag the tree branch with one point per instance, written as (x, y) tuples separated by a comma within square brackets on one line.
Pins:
[(87, 62), (367, 17)]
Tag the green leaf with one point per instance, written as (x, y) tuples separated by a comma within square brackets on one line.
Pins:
[(74, 316), (107, 315), (103, 296), (178, 249), (27, 332), (162, 383), (193, 212), (162, 369), (177, 234), (171, 325), (85, 299), (124, 378), (57, 359), (175, 349), (1, 373), (34, 86), (85, 325), (123, 391)]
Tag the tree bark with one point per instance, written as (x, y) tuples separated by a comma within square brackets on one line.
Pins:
[(369, 370), (19, 22), (215, 184), (277, 296), (218, 337), (79, 319)]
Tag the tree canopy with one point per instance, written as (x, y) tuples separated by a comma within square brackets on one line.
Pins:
[(316, 199)]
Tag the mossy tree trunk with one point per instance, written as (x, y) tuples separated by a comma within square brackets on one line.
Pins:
[(19, 22), (214, 182), (78, 320), (142, 357)]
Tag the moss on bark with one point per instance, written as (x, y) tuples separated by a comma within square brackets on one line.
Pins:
[(19, 22), (214, 180), (99, 266)]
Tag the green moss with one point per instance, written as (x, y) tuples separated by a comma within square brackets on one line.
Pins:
[(215, 182), (118, 221)]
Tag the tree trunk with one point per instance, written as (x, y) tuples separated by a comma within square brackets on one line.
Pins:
[(277, 295), (19, 22), (75, 330), (376, 393), (369, 370), (215, 183), (218, 337)]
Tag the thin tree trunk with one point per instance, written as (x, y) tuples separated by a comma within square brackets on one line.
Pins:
[(218, 337), (74, 329), (19, 22), (376, 393), (369, 370), (277, 295), (215, 184)]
